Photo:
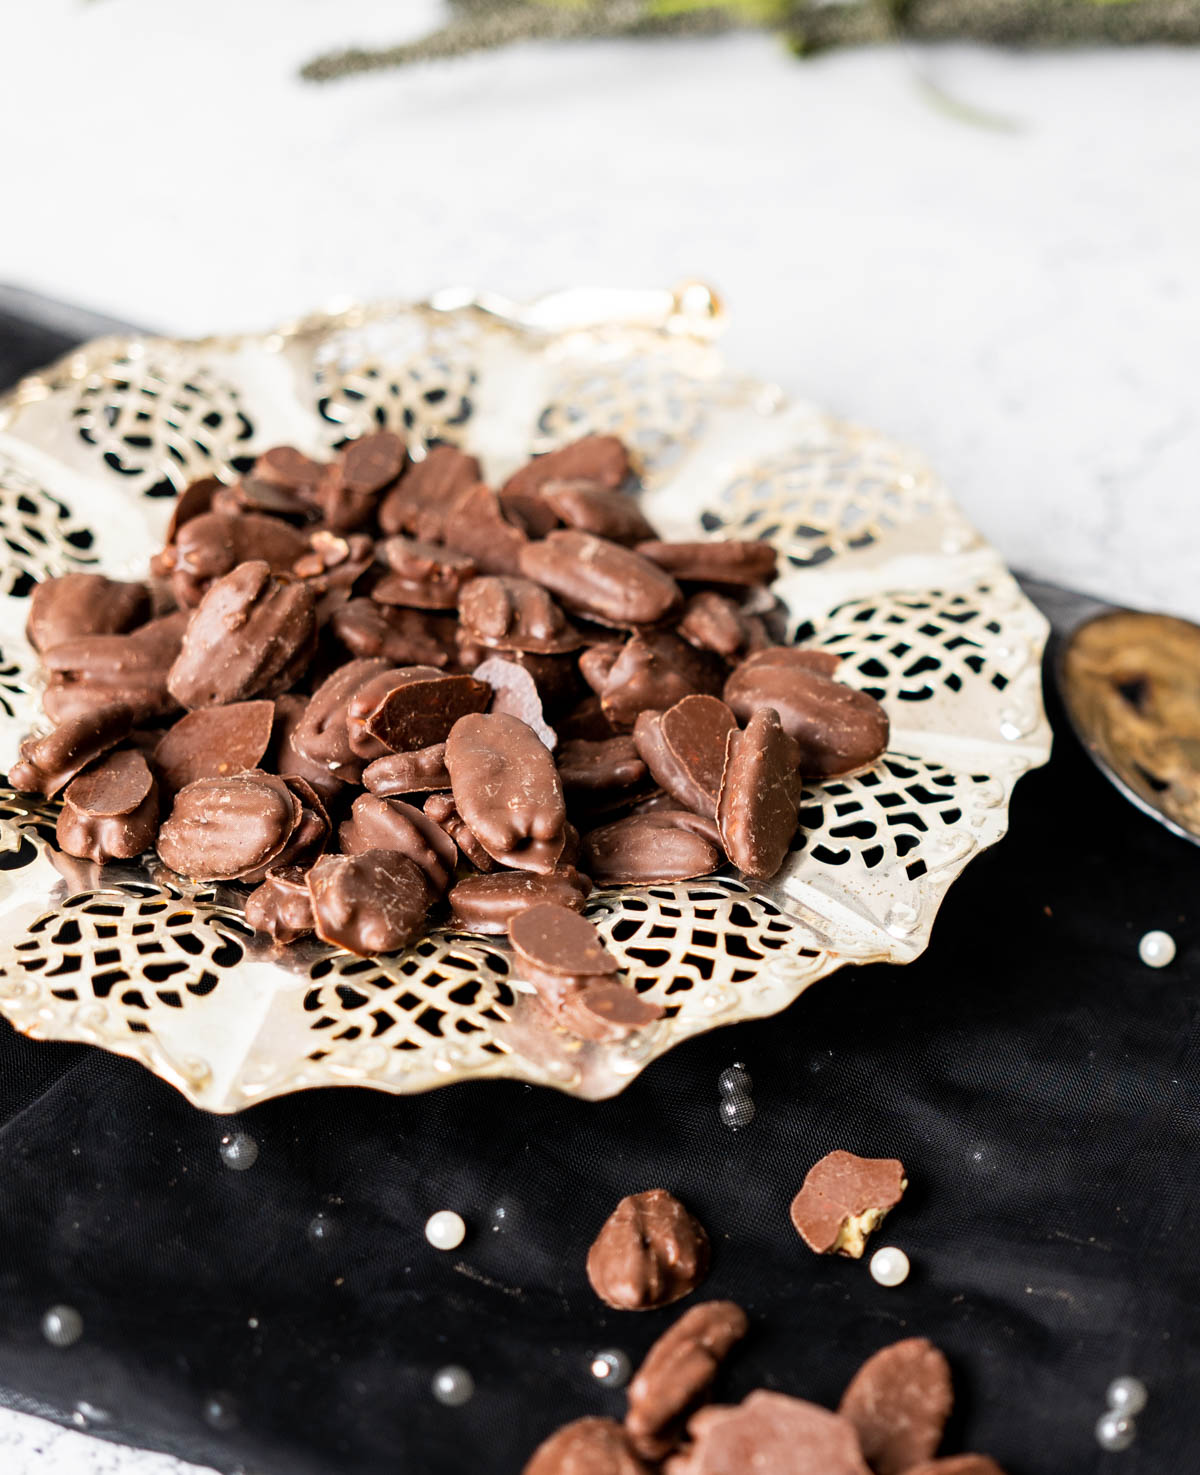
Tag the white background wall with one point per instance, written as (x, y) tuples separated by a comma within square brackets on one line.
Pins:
[(1023, 303)]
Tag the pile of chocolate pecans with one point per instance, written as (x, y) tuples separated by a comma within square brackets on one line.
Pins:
[(650, 1253), (376, 686)]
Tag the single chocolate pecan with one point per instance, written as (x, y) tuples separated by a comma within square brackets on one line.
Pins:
[(285, 466), (401, 637), (488, 903), (712, 621), (476, 525), (423, 575), (650, 1252), (651, 673), (281, 905), (251, 635), (83, 604), (599, 765), (93, 671), (321, 735), (844, 1199), (592, 508), (266, 498), (420, 771), (509, 613), (596, 458), (600, 579), (349, 489), (769, 1432), (370, 903), (212, 545), (390, 824), (586, 1447), (110, 812), (223, 828), (213, 742), (46, 764), (507, 789), (899, 1401), (195, 498), (719, 561), (760, 795), (529, 512), (677, 1372), (419, 502), (308, 837), (641, 849), (838, 729)]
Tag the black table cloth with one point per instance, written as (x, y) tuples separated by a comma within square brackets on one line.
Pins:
[(1039, 1082)]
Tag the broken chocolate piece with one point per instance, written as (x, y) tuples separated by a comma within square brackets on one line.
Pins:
[(281, 905), (322, 735), (677, 1372), (515, 692), (586, 1447), (684, 749), (420, 709), (401, 637), (110, 812), (214, 742), (899, 1401), (441, 809), (649, 1253), (760, 796), (844, 1199), (370, 903)]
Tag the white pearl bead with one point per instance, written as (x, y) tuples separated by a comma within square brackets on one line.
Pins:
[(1115, 1431), (1127, 1395), (612, 1367), (446, 1230), (62, 1326), (736, 1110), (453, 1386), (889, 1266), (238, 1151), (1157, 949)]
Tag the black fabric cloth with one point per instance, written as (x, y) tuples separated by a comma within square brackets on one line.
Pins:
[(1039, 1082)]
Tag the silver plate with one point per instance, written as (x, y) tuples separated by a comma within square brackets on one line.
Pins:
[(877, 564)]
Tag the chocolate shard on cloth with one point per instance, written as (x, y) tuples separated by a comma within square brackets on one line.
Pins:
[(677, 1372), (370, 903), (110, 811), (507, 789), (838, 729), (251, 635), (213, 742), (844, 1199), (46, 764), (281, 905), (769, 1433), (649, 1253), (586, 1447), (899, 1401), (760, 796), (83, 604)]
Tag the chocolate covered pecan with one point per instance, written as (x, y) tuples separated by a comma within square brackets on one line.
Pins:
[(507, 789), (677, 1372), (374, 902), (110, 812), (45, 764), (769, 1432), (401, 637), (837, 728), (510, 613), (515, 692), (251, 635), (212, 545), (844, 1198), (321, 735), (760, 795), (684, 749), (476, 525), (420, 500), (898, 1402), (488, 903), (596, 458), (222, 828), (390, 824), (213, 742), (92, 671), (593, 508), (712, 621), (600, 579), (640, 849), (423, 575), (83, 604), (281, 906), (586, 1447), (420, 771), (649, 1252), (419, 707), (723, 561)]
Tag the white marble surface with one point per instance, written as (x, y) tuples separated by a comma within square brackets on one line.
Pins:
[(1022, 303)]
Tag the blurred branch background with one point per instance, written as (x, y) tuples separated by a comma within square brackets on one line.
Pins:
[(805, 26)]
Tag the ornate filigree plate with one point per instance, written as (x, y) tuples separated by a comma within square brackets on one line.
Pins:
[(877, 564)]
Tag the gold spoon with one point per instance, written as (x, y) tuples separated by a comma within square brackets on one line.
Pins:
[(1130, 683)]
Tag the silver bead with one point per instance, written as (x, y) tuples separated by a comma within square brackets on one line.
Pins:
[(62, 1326), (736, 1111), (238, 1151), (453, 1386), (86, 1415), (1157, 949), (735, 1080), (321, 1229), (1115, 1431), (220, 1411), (611, 1367), (1127, 1395)]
